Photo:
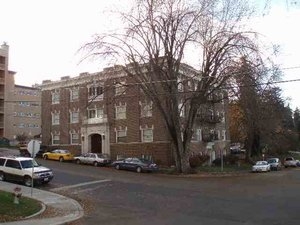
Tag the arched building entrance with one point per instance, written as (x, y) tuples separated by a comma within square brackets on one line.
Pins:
[(96, 143)]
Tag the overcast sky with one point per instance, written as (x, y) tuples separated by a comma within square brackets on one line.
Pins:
[(44, 36)]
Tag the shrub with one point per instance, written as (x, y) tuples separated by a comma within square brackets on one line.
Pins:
[(227, 160), (198, 160)]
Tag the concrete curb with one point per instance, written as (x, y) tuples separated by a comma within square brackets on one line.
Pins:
[(69, 209)]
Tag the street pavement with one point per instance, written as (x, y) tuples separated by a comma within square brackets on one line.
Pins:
[(67, 209)]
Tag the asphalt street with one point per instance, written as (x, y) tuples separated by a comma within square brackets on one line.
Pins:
[(120, 197)]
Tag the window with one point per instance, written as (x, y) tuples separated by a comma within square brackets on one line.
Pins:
[(74, 138), (180, 85), (146, 109), (2, 161), (120, 88), (197, 135), (223, 135), (121, 112), (74, 117), (55, 139), (95, 92), (121, 135), (147, 134), (55, 97), (13, 164), (55, 118), (95, 113), (74, 94)]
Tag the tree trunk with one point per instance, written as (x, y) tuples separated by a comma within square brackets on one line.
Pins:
[(181, 159)]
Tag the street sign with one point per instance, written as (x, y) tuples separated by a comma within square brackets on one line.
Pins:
[(33, 147)]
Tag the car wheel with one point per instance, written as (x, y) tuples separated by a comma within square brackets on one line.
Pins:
[(27, 181), (61, 159), (95, 163), (2, 176), (117, 166), (78, 161), (138, 169), (45, 157)]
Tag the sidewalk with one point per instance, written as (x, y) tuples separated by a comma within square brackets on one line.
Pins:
[(69, 209)]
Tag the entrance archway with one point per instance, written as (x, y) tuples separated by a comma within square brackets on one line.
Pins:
[(96, 143)]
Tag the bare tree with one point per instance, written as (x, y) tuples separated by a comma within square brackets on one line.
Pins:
[(157, 39)]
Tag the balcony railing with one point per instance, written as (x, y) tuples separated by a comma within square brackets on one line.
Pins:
[(95, 121)]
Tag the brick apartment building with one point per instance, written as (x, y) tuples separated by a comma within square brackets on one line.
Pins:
[(19, 105), (106, 112)]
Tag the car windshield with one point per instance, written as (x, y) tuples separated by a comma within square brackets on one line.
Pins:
[(272, 161), (28, 163), (261, 163)]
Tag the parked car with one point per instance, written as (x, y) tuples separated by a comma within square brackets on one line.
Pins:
[(261, 166), (24, 169), (275, 163), (136, 164), (290, 162), (96, 159), (59, 154)]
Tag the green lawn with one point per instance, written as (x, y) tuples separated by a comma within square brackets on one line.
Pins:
[(10, 211)]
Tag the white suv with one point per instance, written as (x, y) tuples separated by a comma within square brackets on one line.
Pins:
[(23, 169)]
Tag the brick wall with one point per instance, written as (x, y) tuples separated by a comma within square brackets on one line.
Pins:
[(160, 152)]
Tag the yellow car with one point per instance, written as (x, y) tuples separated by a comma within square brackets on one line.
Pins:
[(59, 154)]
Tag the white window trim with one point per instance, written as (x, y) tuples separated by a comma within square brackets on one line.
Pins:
[(146, 129), (224, 135), (72, 118), (55, 121), (117, 113), (149, 109), (52, 138), (72, 132), (120, 88), (95, 97), (72, 99), (120, 129), (55, 97)]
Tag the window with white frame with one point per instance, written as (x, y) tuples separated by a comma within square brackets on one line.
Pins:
[(55, 139), (121, 134), (55, 118), (121, 112), (147, 134), (95, 92), (74, 117), (146, 109), (95, 113), (74, 94), (222, 115), (219, 135), (55, 97), (223, 135), (120, 88), (197, 135), (74, 137)]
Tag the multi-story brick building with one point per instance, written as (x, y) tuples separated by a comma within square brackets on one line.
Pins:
[(98, 113), (19, 105)]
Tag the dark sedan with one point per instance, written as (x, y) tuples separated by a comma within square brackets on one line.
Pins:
[(136, 164)]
